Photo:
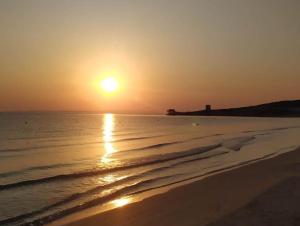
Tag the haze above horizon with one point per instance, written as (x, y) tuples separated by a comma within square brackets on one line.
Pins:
[(150, 55)]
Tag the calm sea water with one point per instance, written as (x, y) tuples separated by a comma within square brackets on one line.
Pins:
[(55, 164)]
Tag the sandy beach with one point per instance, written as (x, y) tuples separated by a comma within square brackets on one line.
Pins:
[(263, 193)]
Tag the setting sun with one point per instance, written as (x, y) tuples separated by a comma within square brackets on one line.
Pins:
[(109, 84)]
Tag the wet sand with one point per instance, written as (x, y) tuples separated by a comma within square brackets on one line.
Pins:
[(263, 193)]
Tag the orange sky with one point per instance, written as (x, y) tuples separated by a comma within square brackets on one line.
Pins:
[(167, 54)]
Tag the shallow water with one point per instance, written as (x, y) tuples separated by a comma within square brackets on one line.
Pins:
[(54, 164)]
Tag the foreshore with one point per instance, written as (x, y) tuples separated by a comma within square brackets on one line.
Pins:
[(263, 193)]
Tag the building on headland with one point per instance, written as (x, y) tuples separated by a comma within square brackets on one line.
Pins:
[(207, 108)]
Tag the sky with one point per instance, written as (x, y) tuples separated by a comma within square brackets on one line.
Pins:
[(165, 54)]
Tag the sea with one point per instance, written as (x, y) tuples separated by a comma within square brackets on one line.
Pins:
[(53, 165)]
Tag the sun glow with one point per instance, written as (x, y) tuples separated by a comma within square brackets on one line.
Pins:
[(109, 84)]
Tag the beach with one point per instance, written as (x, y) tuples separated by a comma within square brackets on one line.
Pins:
[(262, 193)]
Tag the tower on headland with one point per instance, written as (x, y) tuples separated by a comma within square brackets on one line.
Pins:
[(207, 108)]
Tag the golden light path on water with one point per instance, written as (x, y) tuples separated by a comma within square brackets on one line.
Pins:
[(106, 160), (107, 136)]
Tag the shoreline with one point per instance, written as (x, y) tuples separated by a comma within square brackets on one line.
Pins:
[(201, 202)]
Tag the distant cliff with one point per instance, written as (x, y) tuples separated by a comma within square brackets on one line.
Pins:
[(275, 109)]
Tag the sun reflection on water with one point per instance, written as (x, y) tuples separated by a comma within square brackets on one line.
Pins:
[(107, 136), (122, 201), (111, 178)]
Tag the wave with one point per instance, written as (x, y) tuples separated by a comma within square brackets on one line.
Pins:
[(237, 143), (47, 133), (21, 149), (272, 129), (46, 167), (137, 138), (88, 204), (234, 144), (156, 159), (160, 145), (97, 189), (208, 173)]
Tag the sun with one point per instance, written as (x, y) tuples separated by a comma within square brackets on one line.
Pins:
[(109, 84)]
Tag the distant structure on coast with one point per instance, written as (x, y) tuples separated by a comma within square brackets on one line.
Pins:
[(274, 109), (172, 111), (207, 108)]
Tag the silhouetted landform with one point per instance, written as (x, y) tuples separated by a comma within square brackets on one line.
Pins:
[(274, 109)]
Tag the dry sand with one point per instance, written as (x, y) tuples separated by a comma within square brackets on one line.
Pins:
[(266, 193)]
